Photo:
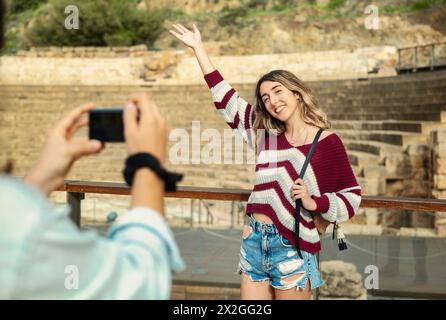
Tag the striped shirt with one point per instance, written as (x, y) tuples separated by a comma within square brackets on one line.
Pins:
[(329, 177)]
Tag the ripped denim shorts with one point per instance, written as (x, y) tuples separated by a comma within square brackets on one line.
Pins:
[(267, 255)]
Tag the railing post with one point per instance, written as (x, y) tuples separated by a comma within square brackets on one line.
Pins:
[(74, 200), (240, 213), (199, 211), (433, 57), (398, 66), (414, 59), (192, 213), (232, 213)]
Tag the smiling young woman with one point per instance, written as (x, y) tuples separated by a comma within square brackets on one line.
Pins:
[(289, 116)]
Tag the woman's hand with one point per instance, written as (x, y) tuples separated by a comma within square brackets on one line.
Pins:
[(300, 191), (193, 40), (320, 223), (189, 38), (61, 150)]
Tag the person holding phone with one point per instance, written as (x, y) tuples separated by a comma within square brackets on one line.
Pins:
[(45, 256), (289, 114)]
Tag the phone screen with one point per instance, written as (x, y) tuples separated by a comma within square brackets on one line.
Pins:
[(106, 125)]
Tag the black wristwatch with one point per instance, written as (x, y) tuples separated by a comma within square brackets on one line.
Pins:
[(146, 160)]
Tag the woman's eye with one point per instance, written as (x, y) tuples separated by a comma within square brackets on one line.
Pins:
[(278, 91), (264, 101)]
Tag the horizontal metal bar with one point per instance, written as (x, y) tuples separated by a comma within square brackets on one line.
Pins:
[(415, 204)]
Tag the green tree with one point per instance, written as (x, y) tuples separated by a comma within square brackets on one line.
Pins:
[(101, 23)]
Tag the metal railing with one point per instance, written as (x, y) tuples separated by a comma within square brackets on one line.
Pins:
[(76, 191), (433, 63)]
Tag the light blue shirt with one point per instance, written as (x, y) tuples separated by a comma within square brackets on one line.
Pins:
[(43, 255)]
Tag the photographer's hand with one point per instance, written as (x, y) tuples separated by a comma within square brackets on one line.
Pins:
[(61, 150), (149, 135)]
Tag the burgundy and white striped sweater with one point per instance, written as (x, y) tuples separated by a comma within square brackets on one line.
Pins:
[(329, 177)]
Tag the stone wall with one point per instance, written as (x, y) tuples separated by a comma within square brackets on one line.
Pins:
[(85, 52), (439, 175), (312, 66), (62, 71), (137, 66)]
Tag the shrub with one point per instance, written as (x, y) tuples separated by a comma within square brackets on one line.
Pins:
[(17, 6), (101, 23)]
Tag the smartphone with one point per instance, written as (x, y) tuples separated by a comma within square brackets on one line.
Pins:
[(106, 125)]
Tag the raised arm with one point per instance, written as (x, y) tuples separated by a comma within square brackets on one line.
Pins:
[(192, 39), (236, 111)]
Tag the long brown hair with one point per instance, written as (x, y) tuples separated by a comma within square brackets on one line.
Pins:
[(310, 110)]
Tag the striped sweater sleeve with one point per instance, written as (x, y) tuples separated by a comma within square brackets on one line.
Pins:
[(237, 113), (343, 202)]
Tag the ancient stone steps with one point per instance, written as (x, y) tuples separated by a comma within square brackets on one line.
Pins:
[(390, 109), (402, 125), (373, 147), (427, 116), (362, 159), (416, 99), (398, 138)]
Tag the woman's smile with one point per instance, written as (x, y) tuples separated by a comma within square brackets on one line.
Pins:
[(279, 109)]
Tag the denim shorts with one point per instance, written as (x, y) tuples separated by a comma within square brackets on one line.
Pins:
[(266, 255)]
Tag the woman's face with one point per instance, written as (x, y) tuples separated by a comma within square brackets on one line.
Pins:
[(280, 102)]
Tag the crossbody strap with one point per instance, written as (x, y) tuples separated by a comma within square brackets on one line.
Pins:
[(299, 201)]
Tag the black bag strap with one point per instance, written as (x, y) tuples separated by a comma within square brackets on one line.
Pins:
[(299, 201)]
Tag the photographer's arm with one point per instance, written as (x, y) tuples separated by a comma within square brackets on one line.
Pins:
[(148, 190), (149, 135), (61, 150)]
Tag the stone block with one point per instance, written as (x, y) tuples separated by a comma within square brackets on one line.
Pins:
[(440, 149), (372, 216), (374, 171), (417, 149), (140, 47), (394, 188), (397, 166), (418, 161), (440, 221), (415, 188), (342, 280), (439, 194), (372, 186), (422, 219), (441, 230), (440, 165), (439, 136), (439, 216), (440, 181), (419, 173), (417, 232)]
